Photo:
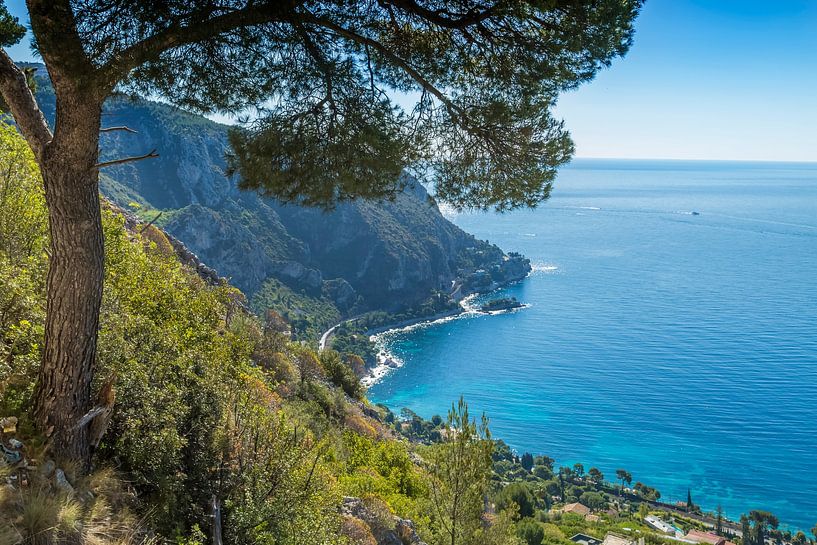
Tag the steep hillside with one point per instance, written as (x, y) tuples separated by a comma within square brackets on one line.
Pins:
[(221, 430), (358, 257), (209, 407)]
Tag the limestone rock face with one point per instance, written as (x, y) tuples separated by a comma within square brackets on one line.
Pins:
[(236, 250), (341, 293), (389, 255), (386, 529), (294, 272)]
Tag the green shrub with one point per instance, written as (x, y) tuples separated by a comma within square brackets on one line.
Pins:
[(530, 531), (194, 416), (520, 494), (23, 242), (341, 374)]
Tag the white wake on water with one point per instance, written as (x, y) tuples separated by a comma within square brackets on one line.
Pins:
[(541, 267), (387, 361)]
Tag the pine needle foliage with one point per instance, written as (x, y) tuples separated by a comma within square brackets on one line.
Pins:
[(343, 96), (459, 470)]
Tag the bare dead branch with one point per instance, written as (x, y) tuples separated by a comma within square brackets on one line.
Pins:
[(150, 155), (122, 128), (90, 415), (151, 222)]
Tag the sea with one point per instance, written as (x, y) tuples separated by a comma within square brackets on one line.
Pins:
[(670, 329)]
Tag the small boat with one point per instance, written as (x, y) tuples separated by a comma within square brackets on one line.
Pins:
[(694, 213)]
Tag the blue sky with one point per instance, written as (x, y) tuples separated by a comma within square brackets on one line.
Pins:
[(726, 79)]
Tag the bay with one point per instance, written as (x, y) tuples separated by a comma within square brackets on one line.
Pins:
[(671, 330)]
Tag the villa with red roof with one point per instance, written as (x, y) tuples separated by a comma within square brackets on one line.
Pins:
[(697, 536)]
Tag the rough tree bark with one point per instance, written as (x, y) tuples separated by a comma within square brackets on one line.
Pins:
[(68, 162), (75, 275)]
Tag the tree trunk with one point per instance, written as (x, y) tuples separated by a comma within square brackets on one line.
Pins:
[(75, 274), (215, 512)]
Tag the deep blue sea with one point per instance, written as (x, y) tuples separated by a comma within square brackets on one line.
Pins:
[(680, 347)]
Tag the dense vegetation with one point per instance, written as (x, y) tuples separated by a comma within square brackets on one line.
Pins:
[(534, 490), (308, 315), (209, 404), (321, 77), (216, 407), (181, 353)]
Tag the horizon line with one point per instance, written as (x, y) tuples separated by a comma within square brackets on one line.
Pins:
[(696, 160)]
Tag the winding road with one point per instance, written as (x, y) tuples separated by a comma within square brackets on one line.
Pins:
[(327, 335)]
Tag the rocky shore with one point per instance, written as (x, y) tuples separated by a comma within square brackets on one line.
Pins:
[(498, 305), (513, 268)]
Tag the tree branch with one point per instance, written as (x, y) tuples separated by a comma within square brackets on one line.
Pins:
[(326, 68), (59, 44), (151, 222), (122, 128), (176, 35), (458, 115), (150, 155), (444, 18), (90, 415), (452, 108), (23, 106)]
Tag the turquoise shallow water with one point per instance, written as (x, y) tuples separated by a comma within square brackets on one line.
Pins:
[(680, 347)]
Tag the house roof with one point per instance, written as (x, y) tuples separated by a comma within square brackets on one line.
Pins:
[(659, 524), (577, 508)]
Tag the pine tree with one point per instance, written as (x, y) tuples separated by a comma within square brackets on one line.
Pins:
[(596, 475), (763, 521), (625, 477), (527, 461), (460, 469), (486, 74)]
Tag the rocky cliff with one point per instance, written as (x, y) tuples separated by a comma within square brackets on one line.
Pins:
[(360, 256)]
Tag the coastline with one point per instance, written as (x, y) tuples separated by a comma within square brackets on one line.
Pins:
[(387, 361), (456, 293), (513, 274), (419, 320)]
